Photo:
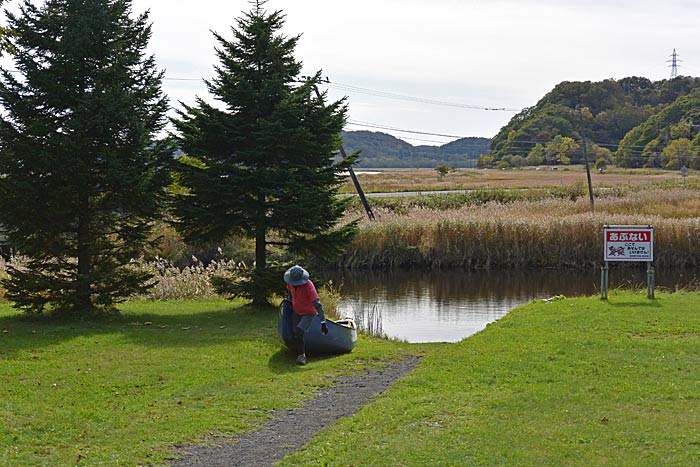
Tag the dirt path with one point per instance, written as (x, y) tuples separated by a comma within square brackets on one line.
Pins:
[(290, 430)]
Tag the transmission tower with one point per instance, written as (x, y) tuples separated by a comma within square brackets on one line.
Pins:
[(674, 63)]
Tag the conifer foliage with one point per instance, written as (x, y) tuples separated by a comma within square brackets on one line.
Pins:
[(81, 175), (261, 162)]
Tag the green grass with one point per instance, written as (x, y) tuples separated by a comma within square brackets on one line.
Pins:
[(125, 391), (576, 382)]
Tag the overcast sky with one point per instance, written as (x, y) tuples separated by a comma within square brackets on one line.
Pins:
[(495, 54)]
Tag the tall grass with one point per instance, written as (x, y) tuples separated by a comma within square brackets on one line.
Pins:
[(193, 282), (330, 297), (14, 261), (392, 180), (552, 232), (3, 275), (368, 316), (478, 230), (479, 197)]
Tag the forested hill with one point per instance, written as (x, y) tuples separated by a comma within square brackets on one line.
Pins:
[(646, 116), (383, 150)]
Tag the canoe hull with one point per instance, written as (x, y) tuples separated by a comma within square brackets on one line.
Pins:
[(341, 337)]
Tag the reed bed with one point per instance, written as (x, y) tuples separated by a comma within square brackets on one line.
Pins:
[(169, 281), (193, 282), (496, 229), (392, 180), (554, 232)]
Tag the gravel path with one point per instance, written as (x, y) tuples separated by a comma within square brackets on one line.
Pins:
[(290, 430)]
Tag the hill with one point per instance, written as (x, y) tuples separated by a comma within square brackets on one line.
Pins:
[(605, 112), (383, 150)]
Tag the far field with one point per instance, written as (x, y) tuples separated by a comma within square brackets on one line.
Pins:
[(528, 177)]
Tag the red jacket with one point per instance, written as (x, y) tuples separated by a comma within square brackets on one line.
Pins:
[(303, 297)]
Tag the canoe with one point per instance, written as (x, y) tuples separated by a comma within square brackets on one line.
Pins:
[(341, 336)]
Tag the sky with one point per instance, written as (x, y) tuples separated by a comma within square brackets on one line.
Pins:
[(458, 54)]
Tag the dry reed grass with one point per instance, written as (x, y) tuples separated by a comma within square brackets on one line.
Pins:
[(14, 261), (390, 180), (542, 233), (330, 297), (192, 282), (169, 282), (529, 231), (3, 275)]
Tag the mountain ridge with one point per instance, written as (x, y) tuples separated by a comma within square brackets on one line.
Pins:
[(383, 150)]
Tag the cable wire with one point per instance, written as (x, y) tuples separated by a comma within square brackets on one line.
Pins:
[(404, 97)]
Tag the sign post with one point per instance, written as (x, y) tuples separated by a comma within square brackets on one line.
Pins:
[(627, 243)]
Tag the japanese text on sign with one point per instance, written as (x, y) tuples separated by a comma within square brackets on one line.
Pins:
[(629, 243)]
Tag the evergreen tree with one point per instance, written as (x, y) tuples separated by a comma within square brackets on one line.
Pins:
[(262, 163), (81, 176)]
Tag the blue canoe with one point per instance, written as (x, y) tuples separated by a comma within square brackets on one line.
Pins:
[(341, 336)]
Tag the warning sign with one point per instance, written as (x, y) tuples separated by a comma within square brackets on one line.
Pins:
[(629, 243)]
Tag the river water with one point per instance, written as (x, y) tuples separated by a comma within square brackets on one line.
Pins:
[(448, 306)]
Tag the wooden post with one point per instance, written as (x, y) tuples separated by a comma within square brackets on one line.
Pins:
[(650, 281), (604, 281), (360, 192), (585, 158)]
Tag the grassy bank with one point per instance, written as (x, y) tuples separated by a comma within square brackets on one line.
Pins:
[(124, 391), (549, 232), (576, 382), (568, 382)]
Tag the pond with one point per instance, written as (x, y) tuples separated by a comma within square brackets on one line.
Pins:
[(448, 306)]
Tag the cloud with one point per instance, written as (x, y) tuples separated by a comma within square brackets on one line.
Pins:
[(474, 51)]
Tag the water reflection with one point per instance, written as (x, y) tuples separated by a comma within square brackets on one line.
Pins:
[(447, 306)]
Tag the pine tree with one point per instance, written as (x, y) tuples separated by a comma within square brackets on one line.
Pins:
[(261, 163), (81, 176)]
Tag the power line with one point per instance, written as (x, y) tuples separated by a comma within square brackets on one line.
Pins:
[(167, 78), (424, 140), (528, 143), (376, 93), (401, 130), (515, 147), (404, 97)]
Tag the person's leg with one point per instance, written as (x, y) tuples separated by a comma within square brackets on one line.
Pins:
[(302, 324), (299, 339)]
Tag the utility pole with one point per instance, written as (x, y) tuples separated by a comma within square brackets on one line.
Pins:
[(355, 181), (585, 158), (674, 63)]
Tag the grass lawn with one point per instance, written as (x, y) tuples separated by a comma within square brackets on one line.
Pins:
[(125, 391), (575, 382)]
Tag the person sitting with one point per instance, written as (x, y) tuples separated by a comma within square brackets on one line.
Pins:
[(306, 304)]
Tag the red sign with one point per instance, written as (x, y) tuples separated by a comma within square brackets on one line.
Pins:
[(629, 243)]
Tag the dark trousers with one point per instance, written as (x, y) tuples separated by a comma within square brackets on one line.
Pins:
[(299, 332)]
